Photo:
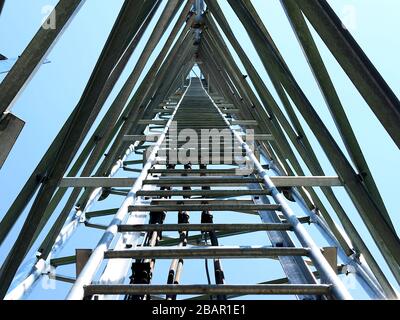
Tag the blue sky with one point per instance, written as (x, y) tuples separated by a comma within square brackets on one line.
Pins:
[(53, 93)]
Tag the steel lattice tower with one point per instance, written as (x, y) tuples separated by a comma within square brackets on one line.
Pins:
[(201, 147)]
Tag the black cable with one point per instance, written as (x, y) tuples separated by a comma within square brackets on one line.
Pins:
[(206, 264)]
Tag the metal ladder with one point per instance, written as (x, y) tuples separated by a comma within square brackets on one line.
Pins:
[(167, 186)]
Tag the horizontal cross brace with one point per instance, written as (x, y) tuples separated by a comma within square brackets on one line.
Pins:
[(61, 278), (205, 253), (63, 261), (101, 213), (97, 182)]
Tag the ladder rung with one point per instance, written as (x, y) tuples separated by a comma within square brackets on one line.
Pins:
[(259, 289), (206, 227), (244, 122), (169, 110), (205, 207), (142, 138), (194, 171), (205, 253), (230, 111), (201, 181), (202, 193), (261, 137), (200, 148), (152, 121), (206, 152), (198, 161), (265, 137), (278, 181), (189, 202)]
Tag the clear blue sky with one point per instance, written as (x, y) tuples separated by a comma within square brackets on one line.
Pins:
[(53, 93)]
